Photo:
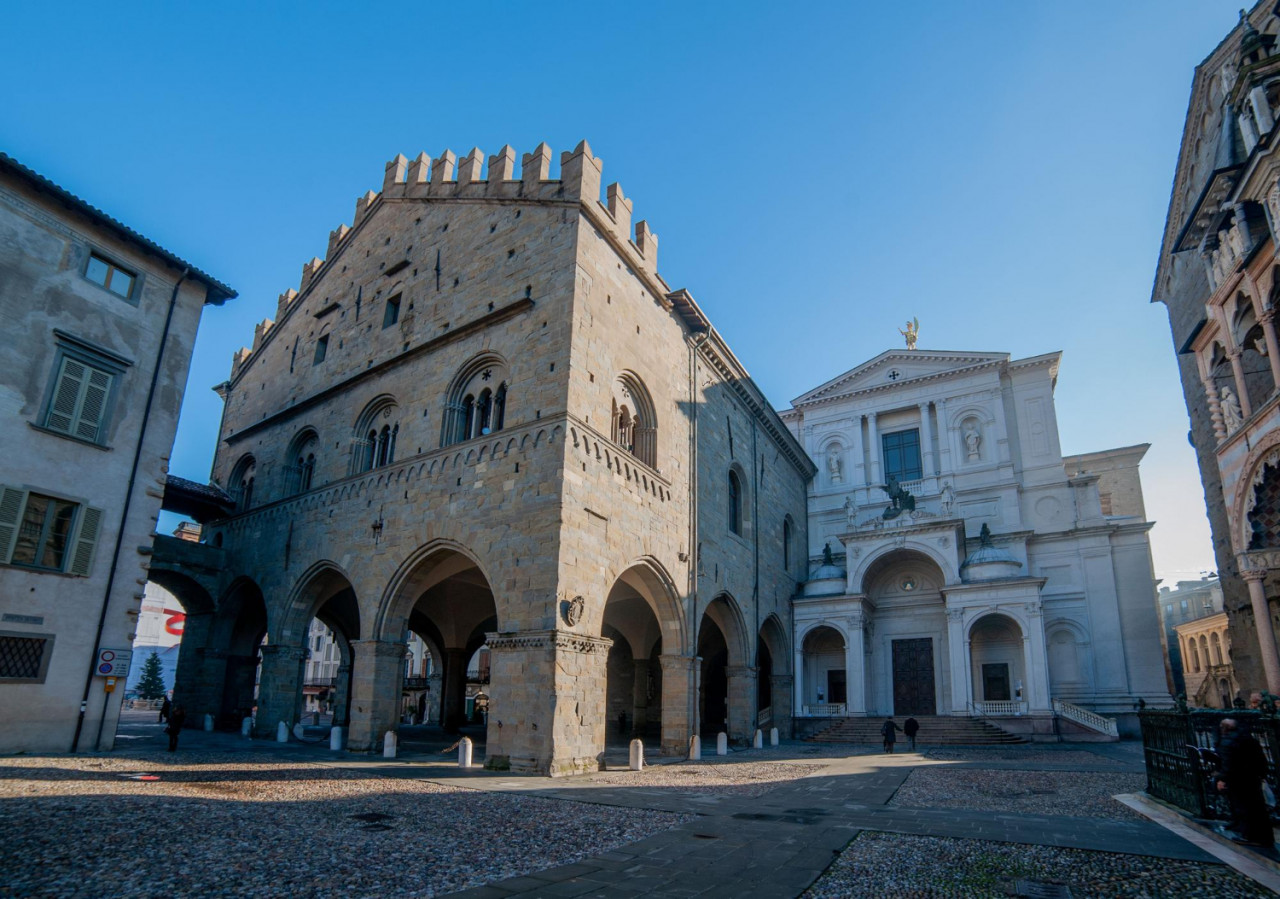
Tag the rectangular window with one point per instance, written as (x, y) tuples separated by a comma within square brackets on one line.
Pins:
[(47, 533), (81, 394), (902, 455), (24, 658), (322, 349), (113, 277), (391, 314)]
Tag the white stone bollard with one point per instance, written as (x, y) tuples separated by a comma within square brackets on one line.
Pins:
[(389, 745), (246, 727), (773, 736), (637, 755), (335, 739), (282, 733), (695, 748), (757, 742), (464, 752), (208, 724), (722, 743)]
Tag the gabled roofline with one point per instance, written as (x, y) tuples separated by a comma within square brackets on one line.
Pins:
[(975, 360), (216, 293)]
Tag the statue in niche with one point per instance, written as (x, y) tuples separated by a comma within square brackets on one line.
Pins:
[(849, 508), (835, 465), (912, 333), (1232, 417), (972, 442), (827, 558), (948, 498)]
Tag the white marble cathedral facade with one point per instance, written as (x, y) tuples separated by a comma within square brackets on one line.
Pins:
[(917, 612)]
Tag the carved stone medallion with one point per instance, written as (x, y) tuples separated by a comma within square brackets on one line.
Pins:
[(573, 610)]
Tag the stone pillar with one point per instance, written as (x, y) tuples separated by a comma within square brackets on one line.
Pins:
[(858, 467), (377, 672), (547, 701), (1215, 409), (945, 465), (342, 695), (780, 696), (1268, 319), (742, 701), (928, 466), (958, 646), (798, 674), (189, 687), (454, 689), (1035, 656), (210, 686), (1255, 578), (280, 687), (1242, 394), (679, 702), (873, 441), (640, 695), (855, 663)]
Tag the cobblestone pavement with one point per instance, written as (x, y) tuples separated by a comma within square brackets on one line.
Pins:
[(878, 864), (229, 816)]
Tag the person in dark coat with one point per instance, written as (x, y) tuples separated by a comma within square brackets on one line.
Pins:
[(165, 708), (177, 717), (1243, 767), (889, 731), (911, 727)]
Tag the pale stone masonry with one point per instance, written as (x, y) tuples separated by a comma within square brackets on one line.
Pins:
[(99, 324), (485, 418)]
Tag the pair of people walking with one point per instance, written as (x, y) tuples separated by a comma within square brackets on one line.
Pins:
[(889, 731)]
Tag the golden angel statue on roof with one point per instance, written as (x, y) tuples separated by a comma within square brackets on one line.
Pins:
[(912, 332)]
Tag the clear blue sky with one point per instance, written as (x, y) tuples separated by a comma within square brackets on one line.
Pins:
[(816, 173)]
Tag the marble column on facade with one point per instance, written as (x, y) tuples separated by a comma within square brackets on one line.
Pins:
[(958, 650), (1256, 578), (1268, 319), (798, 684), (454, 698), (377, 676), (280, 687), (855, 663), (858, 477), (873, 448), (679, 701), (742, 702), (1036, 661), (640, 695), (929, 468), (1215, 409), (1242, 392)]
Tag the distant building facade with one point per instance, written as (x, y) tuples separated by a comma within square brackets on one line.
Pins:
[(974, 570), (1219, 279), (1185, 601), (100, 324)]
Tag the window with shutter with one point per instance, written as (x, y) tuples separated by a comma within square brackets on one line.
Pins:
[(48, 533), (11, 502), (80, 397)]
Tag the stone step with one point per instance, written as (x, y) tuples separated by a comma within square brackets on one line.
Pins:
[(934, 730)]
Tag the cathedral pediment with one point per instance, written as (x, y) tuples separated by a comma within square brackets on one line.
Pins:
[(894, 368)]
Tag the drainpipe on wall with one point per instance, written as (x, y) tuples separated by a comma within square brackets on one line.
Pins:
[(124, 517)]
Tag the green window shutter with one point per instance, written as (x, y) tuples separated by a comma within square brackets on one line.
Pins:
[(92, 405), (86, 541), (11, 502), (66, 396)]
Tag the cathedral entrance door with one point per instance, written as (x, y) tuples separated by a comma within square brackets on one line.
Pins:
[(913, 692)]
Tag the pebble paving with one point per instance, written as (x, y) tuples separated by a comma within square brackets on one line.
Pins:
[(742, 779), (877, 864), (1082, 793)]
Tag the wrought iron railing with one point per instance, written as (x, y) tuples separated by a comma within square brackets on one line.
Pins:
[(1086, 718)]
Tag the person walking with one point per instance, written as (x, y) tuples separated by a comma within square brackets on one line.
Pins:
[(889, 731), (177, 717), (1243, 767), (165, 708), (911, 727)]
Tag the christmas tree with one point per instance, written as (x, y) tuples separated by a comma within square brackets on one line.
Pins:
[(152, 684)]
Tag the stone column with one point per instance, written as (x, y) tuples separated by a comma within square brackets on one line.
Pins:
[(958, 646), (873, 441), (454, 689), (1036, 661), (858, 467), (1268, 319), (798, 675), (377, 672), (742, 702), (280, 687), (929, 468), (640, 696), (1242, 394), (679, 701), (342, 696), (1215, 409), (780, 699), (855, 663), (189, 686), (211, 685), (1255, 578)]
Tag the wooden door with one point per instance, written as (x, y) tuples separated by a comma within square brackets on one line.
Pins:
[(913, 692)]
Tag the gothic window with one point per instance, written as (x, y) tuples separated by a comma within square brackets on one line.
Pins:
[(735, 503), (476, 404), (242, 478), (1264, 517), (902, 455), (301, 461), (633, 423), (376, 431)]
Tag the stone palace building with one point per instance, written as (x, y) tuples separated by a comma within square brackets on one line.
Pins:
[(1219, 278)]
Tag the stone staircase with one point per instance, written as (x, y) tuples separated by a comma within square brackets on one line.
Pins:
[(935, 730)]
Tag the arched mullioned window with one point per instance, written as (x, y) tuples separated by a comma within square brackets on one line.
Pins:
[(374, 444), (476, 404), (735, 503), (634, 422), (300, 462), (242, 479)]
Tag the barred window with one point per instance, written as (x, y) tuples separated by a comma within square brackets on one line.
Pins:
[(24, 659)]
